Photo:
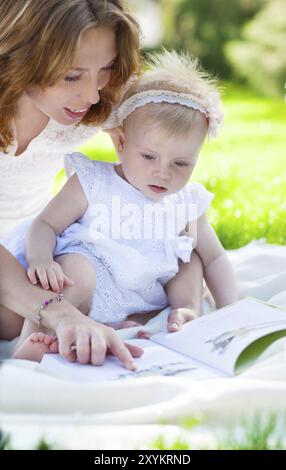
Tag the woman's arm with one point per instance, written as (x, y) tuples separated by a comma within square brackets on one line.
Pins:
[(218, 272), (69, 324)]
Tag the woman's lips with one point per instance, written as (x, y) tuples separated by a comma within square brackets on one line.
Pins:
[(75, 115), (157, 189)]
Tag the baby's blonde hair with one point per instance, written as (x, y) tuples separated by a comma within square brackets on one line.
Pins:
[(171, 71)]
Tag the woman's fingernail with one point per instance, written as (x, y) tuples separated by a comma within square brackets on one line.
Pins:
[(174, 325)]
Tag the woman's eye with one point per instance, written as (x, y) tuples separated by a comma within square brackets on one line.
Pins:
[(72, 79), (109, 67)]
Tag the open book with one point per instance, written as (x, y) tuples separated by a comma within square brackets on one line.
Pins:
[(218, 344)]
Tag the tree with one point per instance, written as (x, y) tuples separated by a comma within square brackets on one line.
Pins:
[(260, 57), (204, 26)]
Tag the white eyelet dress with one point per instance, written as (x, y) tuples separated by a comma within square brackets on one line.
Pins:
[(134, 256)]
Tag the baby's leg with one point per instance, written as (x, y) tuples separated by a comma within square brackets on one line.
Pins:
[(35, 346)]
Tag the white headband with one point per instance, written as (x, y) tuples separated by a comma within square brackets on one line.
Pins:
[(209, 106)]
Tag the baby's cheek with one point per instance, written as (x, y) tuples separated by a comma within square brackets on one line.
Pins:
[(181, 181)]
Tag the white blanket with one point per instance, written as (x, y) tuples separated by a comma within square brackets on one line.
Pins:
[(30, 396)]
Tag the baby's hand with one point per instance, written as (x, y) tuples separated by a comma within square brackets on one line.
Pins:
[(50, 275), (179, 316), (176, 318)]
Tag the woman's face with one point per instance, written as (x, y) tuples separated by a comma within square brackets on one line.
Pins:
[(70, 99)]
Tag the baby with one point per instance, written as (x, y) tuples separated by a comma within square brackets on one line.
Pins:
[(125, 227)]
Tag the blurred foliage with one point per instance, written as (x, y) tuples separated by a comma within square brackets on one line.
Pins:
[(5, 441), (245, 169), (260, 57), (204, 27)]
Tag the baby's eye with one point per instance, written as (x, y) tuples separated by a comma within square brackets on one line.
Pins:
[(147, 157), (72, 79), (181, 164)]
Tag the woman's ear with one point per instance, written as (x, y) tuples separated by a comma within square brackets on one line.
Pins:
[(118, 138)]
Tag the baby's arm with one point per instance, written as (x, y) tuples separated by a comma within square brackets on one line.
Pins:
[(184, 292), (64, 209), (185, 289), (218, 272)]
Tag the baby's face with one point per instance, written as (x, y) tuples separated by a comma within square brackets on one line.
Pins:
[(158, 164)]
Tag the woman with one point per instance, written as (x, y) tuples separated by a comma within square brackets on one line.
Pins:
[(63, 65)]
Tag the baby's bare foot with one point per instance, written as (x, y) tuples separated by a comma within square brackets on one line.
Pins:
[(35, 346)]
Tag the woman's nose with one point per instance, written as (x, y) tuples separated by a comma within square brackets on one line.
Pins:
[(93, 95), (90, 92)]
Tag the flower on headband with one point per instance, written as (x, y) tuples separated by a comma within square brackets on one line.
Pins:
[(214, 114)]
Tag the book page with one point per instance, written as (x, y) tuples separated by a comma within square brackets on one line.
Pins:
[(156, 360), (218, 339)]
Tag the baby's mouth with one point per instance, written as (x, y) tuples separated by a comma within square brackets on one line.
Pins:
[(157, 189)]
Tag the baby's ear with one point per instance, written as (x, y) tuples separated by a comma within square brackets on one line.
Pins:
[(118, 137)]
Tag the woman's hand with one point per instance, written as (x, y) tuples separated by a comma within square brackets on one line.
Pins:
[(49, 274), (89, 342)]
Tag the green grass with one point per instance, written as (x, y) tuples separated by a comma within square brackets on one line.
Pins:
[(263, 431), (260, 432), (244, 168)]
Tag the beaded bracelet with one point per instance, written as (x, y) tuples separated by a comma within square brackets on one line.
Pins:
[(59, 298)]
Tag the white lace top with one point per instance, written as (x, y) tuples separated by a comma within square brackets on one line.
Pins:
[(26, 180)]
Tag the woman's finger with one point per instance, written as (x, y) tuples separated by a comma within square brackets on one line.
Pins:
[(66, 343), (121, 351), (83, 346), (98, 350)]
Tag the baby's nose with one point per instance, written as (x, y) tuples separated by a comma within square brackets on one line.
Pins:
[(164, 173)]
